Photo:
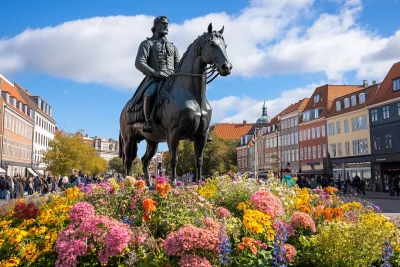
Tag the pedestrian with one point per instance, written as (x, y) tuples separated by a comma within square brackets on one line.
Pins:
[(347, 184), (7, 188), (362, 186), (357, 183), (392, 185), (397, 185)]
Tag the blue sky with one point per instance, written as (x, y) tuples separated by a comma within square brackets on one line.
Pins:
[(79, 55)]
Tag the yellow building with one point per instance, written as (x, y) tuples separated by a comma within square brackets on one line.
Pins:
[(349, 143)]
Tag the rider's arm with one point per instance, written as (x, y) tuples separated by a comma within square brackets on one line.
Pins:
[(141, 59), (176, 58)]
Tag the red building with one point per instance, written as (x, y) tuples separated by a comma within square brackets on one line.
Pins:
[(312, 127)]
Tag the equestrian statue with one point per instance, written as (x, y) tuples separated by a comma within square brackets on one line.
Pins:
[(170, 103)]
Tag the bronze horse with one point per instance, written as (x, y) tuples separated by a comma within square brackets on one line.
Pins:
[(182, 110)]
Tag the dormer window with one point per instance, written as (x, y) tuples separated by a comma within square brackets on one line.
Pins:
[(316, 98), (362, 98), (338, 106), (353, 100), (346, 103), (317, 113), (396, 84)]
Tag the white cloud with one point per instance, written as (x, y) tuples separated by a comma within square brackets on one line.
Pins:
[(266, 38), (249, 109)]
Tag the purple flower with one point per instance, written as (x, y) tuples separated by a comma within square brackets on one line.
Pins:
[(201, 182), (179, 183), (160, 180)]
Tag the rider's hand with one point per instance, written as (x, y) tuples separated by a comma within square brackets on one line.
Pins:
[(160, 74)]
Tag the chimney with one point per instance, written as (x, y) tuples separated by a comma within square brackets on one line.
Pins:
[(244, 123), (373, 82), (87, 135), (365, 83)]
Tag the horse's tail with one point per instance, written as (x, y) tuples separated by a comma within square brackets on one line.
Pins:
[(120, 145)]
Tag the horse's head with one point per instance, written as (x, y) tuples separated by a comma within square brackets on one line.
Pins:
[(214, 51)]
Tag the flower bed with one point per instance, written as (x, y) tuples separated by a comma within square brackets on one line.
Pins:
[(221, 222)]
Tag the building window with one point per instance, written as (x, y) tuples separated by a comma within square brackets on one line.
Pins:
[(301, 154), (359, 123), (323, 130), (331, 129), (293, 155), (318, 132), (346, 103), (353, 100), (398, 109), (309, 153), (314, 152), (297, 154), (362, 98), (338, 106), (346, 126), (377, 143), (347, 148), (388, 141), (360, 147), (305, 153), (374, 115), (305, 135), (316, 98), (296, 137), (296, 121), (317, 112), (313, 133), (324, 150), (396, 84), (292, 138), (338, 127), (309, 134), (340, 153), (332, 150), (385, 110), (319, 151)]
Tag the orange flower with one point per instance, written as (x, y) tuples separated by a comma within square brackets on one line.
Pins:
[(248, 242), (149, 205), (327, 213), (330, 190), (163, 188), (337, 212), (146, 216), (140, 184), (318, 211)]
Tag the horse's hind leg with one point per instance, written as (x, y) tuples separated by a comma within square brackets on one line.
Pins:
[(151, 150), (130, 152), (199, 144), (173, 142)]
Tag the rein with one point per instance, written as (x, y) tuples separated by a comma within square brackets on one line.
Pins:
[(211, 69)]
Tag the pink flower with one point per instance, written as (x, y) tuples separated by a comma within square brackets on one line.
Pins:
[(268, 203), (222, 212), (301, 219), (191, 260), (189, 239), (108, 236), (80, 211), (281, 225), (290, 252), (160, 180)]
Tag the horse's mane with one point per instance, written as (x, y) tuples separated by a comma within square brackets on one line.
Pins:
[(198, 45)]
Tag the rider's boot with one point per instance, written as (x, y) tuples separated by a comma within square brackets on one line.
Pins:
[(147, 108)]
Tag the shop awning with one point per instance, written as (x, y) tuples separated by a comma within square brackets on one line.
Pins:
[(32, 172), (2, 171), (41, 172)]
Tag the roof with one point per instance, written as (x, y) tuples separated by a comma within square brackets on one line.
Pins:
[(385, 91), (299, 106), (27, 97), (328, 93), (6, 86), (369, 95), (230, 130), (256, 125)]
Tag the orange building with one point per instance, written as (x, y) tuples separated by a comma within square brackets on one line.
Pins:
[(18, 128)]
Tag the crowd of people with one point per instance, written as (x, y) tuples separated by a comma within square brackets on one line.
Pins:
[(17, 186)]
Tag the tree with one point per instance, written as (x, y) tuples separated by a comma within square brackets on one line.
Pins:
[(116, 165), (68, 151), (137, 168)]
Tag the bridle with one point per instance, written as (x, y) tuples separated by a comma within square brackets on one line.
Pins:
[(209, 70)]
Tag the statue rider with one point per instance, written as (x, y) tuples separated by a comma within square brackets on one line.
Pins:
[(157, 59)]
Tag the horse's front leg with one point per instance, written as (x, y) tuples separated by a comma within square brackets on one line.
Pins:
[(151, 150), (199, 144), (173, 142)]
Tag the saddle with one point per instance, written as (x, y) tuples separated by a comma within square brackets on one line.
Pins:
[(135, 111)]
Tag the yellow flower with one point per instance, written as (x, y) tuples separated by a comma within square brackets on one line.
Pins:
[(30, 253), (241, 206), (1, 242), (256, 221), (13, 261)]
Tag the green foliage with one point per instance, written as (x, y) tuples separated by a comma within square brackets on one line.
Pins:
[(229, 194), (69, 151), (116, 165), (137, 168), (219, 156)]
